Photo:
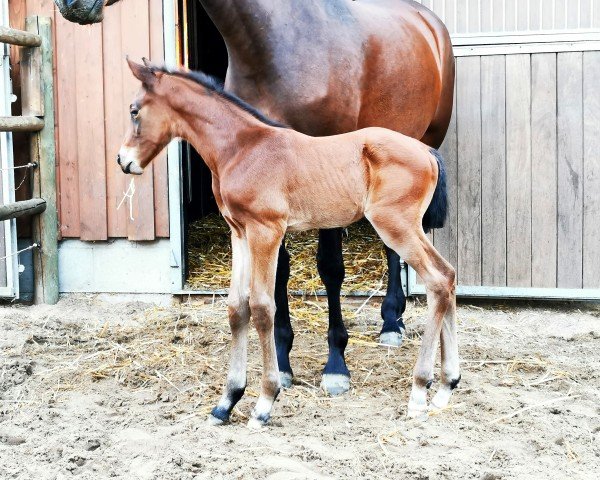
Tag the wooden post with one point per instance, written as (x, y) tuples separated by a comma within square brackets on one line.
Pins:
[(39, 64)]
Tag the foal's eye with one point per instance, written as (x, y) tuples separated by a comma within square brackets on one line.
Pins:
[(134, 113)]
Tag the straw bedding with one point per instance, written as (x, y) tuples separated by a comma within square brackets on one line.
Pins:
[(210, 258)]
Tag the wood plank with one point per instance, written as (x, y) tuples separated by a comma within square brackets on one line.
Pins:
[(518, 170), (66, 113), (560, 14), (572, 14), (498, 11), (493, 171), (543, 170), (451, 16), (591, 188), (161, 180), (135, 26), (585, 20), (115, 118), (32, 102), (510, 16), (462, 17), (536, 15), (570, 169), (522, 19), (89, 91), (446, 239), (547, 18), (474, 18), (468, 118)]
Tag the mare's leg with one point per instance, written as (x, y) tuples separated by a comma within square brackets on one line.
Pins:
[(284, 335), (239, 317), (411, 243), (264, 245), (330, 263), (394, 304)]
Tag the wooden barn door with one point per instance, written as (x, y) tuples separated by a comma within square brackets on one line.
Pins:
[(524, 169)]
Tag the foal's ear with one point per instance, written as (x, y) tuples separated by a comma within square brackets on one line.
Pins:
[(143, 73)]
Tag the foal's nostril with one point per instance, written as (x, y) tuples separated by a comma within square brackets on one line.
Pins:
[(118, 159)]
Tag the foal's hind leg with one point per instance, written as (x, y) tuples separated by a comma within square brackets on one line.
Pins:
[(239, 318), (264, 245), (413, 245), (450, 359)]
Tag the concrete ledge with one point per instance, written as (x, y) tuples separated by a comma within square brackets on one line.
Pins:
[(114, 266)]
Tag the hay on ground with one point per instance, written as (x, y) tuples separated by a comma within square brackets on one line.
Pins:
[(364, 256)]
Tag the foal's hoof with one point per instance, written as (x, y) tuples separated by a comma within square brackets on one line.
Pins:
[(335, 384), (214, 421), (441, 398), (286, 379), (256, 423), (391, 339)]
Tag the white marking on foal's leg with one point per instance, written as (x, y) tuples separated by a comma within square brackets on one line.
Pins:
[(261, 413), (417, 404)]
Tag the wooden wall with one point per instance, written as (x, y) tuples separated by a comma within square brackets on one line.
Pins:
[(475, 16), (524, 171), (93, 91)]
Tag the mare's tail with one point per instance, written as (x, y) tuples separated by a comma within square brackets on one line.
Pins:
[(436, 213)]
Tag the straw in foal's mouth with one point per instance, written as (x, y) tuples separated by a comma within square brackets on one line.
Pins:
[(128, 194)]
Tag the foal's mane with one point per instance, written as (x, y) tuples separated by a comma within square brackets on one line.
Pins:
[(215, 85)]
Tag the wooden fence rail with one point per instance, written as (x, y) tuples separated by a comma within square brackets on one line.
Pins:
[(21, 124), (19, 38), (33, 206)]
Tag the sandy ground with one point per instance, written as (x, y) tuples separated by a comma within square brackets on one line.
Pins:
[(90, 389)]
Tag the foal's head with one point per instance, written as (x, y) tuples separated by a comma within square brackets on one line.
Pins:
[(151, 127)]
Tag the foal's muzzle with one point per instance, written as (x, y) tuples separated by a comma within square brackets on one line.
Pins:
[(130, 168)]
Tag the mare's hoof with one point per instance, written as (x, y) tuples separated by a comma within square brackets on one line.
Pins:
[(391, 339), (335, 384), (256, 424), (286, 379), (214, 421)]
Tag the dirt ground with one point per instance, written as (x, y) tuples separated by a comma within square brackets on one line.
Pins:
[(94, 389)]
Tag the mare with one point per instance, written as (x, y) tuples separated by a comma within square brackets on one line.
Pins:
[(268, 179), (325, 67)]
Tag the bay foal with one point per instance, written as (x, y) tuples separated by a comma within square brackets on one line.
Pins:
[(268, 179)]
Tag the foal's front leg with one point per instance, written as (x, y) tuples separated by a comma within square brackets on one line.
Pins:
[(264, 246), (239, 318)]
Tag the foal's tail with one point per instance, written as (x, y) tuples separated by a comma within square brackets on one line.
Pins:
[(436, 213)]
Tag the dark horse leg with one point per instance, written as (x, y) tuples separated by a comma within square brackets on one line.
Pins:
[(284, 335), (330, 263), (394, 304)]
